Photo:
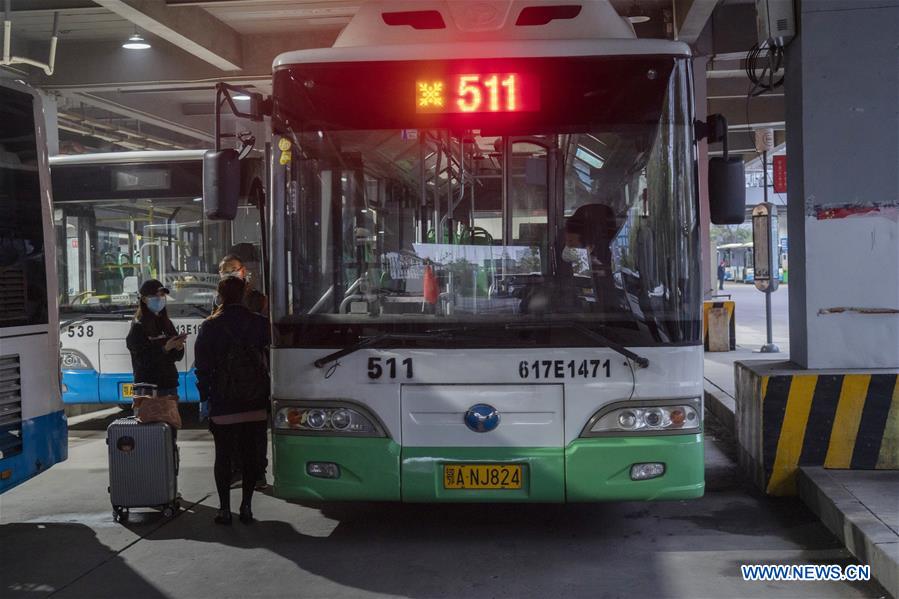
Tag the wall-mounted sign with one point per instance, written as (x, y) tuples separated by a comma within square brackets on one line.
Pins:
[(780, 174)]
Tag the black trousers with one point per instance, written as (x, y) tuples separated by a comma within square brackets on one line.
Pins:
[(240, 439), (261, 454)]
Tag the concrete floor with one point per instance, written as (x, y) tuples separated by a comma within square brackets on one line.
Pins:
[(57, 538)]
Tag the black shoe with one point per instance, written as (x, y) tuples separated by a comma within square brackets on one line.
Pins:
[(223, 517), (246, 515)]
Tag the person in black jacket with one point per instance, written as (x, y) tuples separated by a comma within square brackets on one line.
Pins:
[(235, 419), (154, 343), (235, 265)]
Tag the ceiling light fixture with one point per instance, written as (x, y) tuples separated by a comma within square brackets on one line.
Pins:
[(241, 97), (635, 14), (136, 42)]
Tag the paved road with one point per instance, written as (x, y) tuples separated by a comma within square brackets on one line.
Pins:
[(750, 314), (57, 538)]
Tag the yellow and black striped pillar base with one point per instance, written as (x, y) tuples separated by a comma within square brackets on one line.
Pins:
[(788, 418)]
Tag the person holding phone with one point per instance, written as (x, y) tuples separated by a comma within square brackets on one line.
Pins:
[(154, 343)]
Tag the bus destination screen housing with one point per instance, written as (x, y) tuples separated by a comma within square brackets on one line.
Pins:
[(506, 95)]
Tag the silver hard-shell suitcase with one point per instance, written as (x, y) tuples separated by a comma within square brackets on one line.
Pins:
[(143, 467)]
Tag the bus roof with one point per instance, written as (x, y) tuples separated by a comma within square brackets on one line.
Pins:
[(394, 30), (128, 157)]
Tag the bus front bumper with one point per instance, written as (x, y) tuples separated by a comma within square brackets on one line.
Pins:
[(89, 386), (589, 469)]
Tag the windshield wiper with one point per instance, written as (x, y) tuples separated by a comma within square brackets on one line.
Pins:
[(374, 340), (639, 360)]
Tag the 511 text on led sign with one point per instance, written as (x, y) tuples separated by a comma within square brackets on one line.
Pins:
[(477, 93)]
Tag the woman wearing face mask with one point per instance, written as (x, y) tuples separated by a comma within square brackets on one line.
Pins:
[(233, 266), (154, 343), (255, 301)]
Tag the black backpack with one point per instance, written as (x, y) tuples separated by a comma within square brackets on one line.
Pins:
[(242, 377)]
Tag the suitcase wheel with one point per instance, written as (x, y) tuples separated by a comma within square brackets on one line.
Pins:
[(168, 511), (119, 513)]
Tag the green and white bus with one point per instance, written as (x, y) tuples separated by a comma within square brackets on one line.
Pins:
[(485, 259)]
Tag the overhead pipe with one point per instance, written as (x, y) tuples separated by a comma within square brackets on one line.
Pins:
[(129, 133), (121, 137), (7, 31), (9, 59)]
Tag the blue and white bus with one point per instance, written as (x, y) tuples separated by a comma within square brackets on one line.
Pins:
[(122, 218), (33, 433)]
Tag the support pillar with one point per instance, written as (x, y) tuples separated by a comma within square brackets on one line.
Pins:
[(843, 209), (836, 404)]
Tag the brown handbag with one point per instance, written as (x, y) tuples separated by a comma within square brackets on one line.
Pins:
[(158, 409)]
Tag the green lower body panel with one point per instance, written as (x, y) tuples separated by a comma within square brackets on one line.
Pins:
[(589, 469), (599, 468), (369, 468)]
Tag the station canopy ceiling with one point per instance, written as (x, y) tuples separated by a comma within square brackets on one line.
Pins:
[(111, 98)]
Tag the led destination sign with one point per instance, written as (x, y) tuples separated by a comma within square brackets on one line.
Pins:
[(477, 93)]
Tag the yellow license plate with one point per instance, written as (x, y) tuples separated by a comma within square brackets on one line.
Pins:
[(482, 476), (127, 390)]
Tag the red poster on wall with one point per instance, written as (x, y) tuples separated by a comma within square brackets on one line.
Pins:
[(780, 174)]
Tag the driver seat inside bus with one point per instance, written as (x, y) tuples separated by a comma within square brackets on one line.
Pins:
[(580, 287)]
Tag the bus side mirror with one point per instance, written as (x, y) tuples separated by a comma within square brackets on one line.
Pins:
[(221, 184), (727, 190), (727, 182)]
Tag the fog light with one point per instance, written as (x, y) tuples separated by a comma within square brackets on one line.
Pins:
[(323, 469), (647, 471)]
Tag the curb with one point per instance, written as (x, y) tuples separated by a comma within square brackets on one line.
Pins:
[(863, 534), (718, 408), (866, 537), (101, 413)]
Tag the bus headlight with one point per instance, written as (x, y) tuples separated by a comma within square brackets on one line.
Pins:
[(74, 360), (659, 416), (326, 420)]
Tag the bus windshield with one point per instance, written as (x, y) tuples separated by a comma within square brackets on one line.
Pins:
[(583, 213), (119, 225)]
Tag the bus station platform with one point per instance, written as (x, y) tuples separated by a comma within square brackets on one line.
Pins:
[(858, 506), (59, 539)]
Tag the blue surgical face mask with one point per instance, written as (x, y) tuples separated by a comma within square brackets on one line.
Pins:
[(156, 304)]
